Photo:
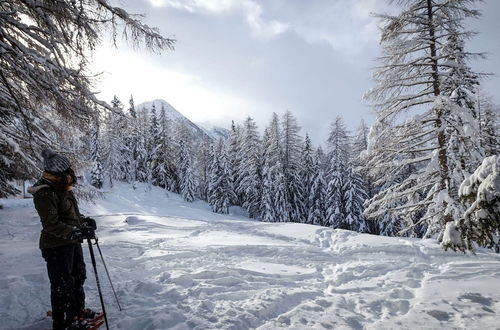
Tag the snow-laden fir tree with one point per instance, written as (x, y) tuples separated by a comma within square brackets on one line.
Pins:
[(292, 148), (276, 203), (132, 142), (338, 156), (117, 152), (219, 186), (266, 204), (421, 117), (166, 176), (249, 184), (359, 148), (96, 175), (481, 221), (490, 126), (354, 196), (234, 154), (308, 173), (186, 173), (317, 193), (155, 146), (338, 145), (203, 161), (335, 205), (44, 78), (142, 127)]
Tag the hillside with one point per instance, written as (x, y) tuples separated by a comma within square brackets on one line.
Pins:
[(199, 131), (176, 265)]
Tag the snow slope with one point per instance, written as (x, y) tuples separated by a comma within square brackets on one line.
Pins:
[(176, 265)]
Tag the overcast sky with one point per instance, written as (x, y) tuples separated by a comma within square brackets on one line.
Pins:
[(239, 58)]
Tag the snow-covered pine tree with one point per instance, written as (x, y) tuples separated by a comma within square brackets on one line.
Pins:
[(489, 113), (338, 156), (234, 154), (132, 141), (481, 221), (354, 196), (292, 148), (410, 81), (317, 193), (143, 151), (359, 163), (203, 161), (44, 76), (249, 187), (219, 187), (359, 148), (267, 204), (186, 171), (164, 167), (96, 174), (276, 203), (155, 147), (117, 152), (335, 205), (309, 171)]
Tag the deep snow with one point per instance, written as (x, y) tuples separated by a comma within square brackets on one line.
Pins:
[(176, 265)]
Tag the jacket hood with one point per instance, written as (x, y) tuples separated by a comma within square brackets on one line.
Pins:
[(37, 186)]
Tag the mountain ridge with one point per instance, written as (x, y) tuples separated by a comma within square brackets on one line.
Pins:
[(199, 130)]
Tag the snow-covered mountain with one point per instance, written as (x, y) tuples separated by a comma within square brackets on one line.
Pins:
[(199, 131), (214, 131)]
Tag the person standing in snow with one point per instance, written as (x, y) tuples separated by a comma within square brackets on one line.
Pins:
[(63, 230)]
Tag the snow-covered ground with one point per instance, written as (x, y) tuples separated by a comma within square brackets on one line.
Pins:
[(176, 265)]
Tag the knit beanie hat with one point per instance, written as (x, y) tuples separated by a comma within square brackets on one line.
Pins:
[(53, 162)]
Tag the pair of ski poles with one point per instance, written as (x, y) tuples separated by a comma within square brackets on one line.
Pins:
[(92, 257)]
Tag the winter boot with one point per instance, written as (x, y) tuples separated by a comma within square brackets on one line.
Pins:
[(87, 314)]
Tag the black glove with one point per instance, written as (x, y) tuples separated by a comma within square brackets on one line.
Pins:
[(88, 232), (89, 222), (79, 234), (76, 235)]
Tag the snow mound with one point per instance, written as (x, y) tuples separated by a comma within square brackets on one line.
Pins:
[(133, 220)]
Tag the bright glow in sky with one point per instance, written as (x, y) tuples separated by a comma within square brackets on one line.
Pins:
[(128, 73)]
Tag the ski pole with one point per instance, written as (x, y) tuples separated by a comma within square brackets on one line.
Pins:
[(97, 281), (107, 273)]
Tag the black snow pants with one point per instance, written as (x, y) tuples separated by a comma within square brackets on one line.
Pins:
[(66, 269)]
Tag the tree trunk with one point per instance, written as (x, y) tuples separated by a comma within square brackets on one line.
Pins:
[(441, 138)]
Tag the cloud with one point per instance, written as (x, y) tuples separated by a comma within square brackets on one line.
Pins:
[(260, 27), (250, 10)]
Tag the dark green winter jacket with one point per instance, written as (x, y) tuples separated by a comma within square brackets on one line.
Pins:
[(59, 214)]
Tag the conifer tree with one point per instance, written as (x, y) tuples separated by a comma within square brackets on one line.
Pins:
[(309, 171), (481, 222), (204, 159), (276, 202), (187, 178), (96, 175), (335, 214), (292, 148), (116, 149), (338, 156), (354, 196), (249, 170), (417, 77), (317, 193), (490, 126), (234, 154), (132, 141), (219, 190)]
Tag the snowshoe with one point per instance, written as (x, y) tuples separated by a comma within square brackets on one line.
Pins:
[(88, 320)]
